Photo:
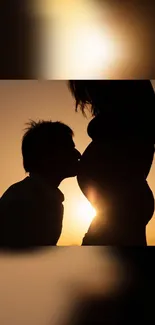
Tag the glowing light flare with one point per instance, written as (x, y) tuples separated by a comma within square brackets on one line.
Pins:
[(82, 214), (85, 212), (90, 51), (78, 43)]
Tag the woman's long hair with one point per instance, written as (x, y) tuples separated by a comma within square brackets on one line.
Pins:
[(95, 95)]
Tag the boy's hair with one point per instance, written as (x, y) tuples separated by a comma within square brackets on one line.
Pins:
[(42, 138), (110, 92)]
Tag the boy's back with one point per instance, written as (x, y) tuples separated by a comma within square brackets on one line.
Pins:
[(31, 214)]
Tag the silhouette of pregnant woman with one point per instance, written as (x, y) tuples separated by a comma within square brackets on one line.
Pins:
[(115, 165)]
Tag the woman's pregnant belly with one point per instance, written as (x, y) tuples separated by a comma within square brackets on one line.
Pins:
[(124, 203)]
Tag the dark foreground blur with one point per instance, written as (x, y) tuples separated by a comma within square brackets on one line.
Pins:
[(76, 285), (46, 287), (134, 303)]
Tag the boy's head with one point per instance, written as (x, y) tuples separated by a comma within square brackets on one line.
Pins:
[(48, 149)]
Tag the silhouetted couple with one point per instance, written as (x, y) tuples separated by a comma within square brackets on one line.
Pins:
[(111, 173)]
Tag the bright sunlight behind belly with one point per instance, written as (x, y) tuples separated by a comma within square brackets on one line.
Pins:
[(84, 212)]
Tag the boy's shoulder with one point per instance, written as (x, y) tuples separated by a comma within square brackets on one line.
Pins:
[(31, 189), (17, 189)]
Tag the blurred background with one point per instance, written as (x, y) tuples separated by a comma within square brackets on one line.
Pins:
[(69, 39), (47, 287), (21, 100)]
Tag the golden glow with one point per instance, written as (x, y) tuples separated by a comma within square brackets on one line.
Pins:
[(85, 212), (91, 40), (80, 35), (82, 214), (79, 214), (93, 48)]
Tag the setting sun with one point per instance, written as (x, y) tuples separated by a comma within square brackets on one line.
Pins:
[(85, 211), (79, 214)]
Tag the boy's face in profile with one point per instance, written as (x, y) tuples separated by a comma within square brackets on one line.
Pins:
[(67, 157)]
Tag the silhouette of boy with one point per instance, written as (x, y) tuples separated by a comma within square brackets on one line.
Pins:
[(31, 211)]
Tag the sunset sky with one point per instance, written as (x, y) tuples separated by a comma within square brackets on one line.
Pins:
[(24, 100)]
